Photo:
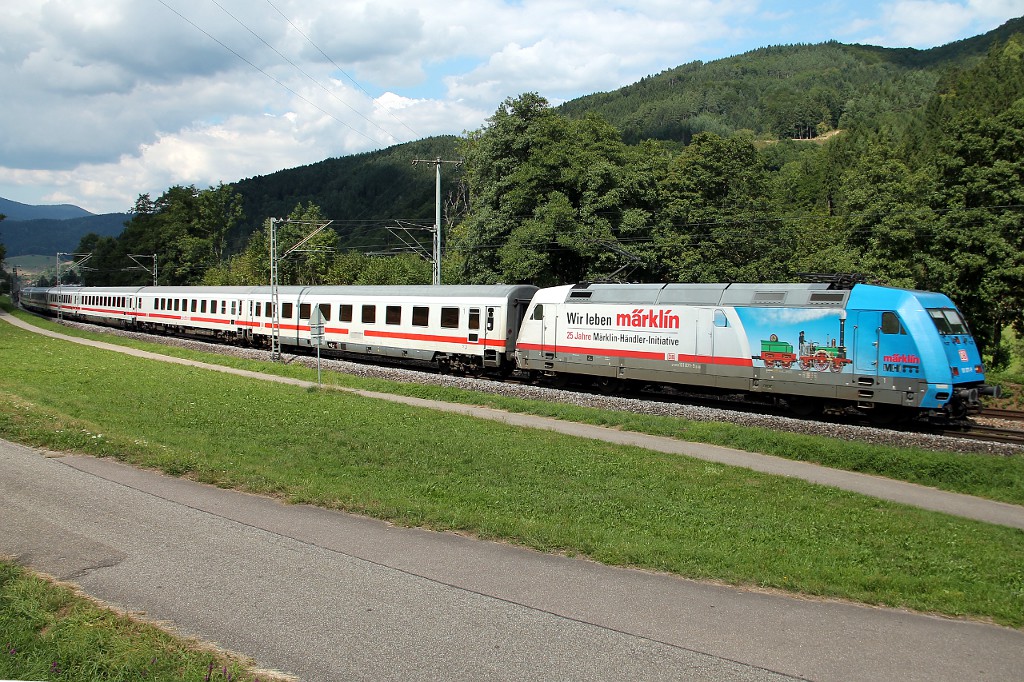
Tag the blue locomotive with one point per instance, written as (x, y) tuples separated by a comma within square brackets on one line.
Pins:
[(892, 353)]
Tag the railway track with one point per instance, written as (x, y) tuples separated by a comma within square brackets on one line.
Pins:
[(995, 433), (991, 434), (998, 413)]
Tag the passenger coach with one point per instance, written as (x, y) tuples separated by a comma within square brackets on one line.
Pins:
[(457, 327)]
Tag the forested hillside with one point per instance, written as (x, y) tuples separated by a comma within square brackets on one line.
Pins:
[(360, 193), (792, 91), (691, 175)]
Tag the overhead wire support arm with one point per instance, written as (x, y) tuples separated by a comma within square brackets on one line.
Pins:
[(135, 258), (79, 258), (275, 294), (437, 214)]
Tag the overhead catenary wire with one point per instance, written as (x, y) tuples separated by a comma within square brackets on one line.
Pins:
[(343, 71), (265, 73), (298, 68)]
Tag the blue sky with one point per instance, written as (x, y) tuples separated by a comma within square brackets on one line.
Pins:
[(107, 99)]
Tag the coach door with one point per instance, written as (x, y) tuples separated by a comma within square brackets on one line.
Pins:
[(869, 329), (548, 329), (705, 334)]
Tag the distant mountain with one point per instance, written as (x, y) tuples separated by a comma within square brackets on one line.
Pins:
[(48, 237), (18, 211)]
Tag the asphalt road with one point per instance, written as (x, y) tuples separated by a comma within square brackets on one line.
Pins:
[(330, 596)]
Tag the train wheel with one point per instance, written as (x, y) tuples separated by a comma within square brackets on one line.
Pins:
[(822, 361), (837, 366)]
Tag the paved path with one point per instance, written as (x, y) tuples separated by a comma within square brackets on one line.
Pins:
[(330, 596)]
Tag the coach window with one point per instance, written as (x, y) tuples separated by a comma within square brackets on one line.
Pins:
[(450, 318), (345, 312), (194, 305), (369, 314), (891, 324), (420, 316), (269, 309), (287, 310), (393, 315), (223, 307), (490, 319), (202, 305), (305, 311), (259, 308), (177, 303), (474, 318), (325, 311), (234, 308)]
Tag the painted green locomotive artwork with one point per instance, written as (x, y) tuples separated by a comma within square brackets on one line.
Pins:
[(808, 354)]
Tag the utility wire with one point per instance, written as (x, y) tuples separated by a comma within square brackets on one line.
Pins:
[(312, 104), (345, 73), (298, 68)]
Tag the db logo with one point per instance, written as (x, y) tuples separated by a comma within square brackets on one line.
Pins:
[(963, 354)]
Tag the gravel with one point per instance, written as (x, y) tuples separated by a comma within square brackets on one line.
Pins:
[(703, 413)]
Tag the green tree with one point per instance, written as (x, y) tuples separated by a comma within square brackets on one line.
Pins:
[(716, 222), (185, 227), (980, 239), (889, 220), (3, 255), (550, 197)]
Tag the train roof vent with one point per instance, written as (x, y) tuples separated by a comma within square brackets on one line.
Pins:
[(769, 297), (580, 294), (828, 297)]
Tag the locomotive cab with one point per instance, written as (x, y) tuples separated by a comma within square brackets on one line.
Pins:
[(921, 343)]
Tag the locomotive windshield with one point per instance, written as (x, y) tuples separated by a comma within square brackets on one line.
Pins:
[(948, 321)]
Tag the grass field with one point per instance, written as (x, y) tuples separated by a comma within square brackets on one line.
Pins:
[(618, 505)]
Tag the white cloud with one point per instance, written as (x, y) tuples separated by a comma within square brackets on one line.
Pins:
[(112, 98), (929, 23)]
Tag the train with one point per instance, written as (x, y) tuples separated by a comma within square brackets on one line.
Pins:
[(888, 353)]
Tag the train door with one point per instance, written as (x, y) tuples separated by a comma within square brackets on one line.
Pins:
[(869, 329), (549, 329), (705, 346)]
